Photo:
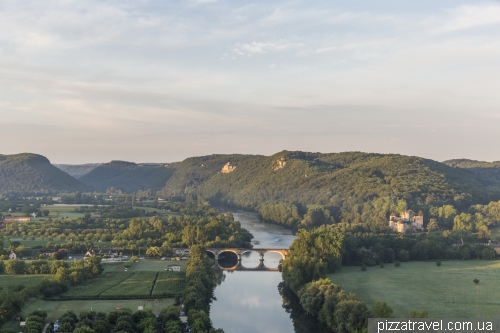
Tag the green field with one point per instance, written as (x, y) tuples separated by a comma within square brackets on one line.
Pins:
[(146, 278), (139, 284), (56, 308), (93, 288), (169, 284), (27, 280), (447, 291), (151, 265)]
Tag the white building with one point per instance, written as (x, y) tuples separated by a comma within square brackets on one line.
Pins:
[(174, 268)]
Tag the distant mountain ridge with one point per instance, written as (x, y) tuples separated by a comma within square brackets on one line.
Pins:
[(127, 176), (338, 180), (77, 170), (487, 170), (29, 173), (328, 179)]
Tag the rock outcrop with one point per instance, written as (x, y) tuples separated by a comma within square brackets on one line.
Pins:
[(228, 168), (280, 165)]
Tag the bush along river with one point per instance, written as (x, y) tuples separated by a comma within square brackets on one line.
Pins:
[(249, 301)]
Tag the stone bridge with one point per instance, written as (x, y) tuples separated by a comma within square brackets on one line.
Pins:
[(239, 252)]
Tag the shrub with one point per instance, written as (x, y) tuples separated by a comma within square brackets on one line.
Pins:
[(381, 265), (476, 281), (438, 263), (397, 263), (363, 267)]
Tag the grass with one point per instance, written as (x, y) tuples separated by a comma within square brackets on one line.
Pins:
[(156, 265), (447, 291), (27, 280), (55, 309), (143, 265), (495, 232), (138, 284), (169, 283)]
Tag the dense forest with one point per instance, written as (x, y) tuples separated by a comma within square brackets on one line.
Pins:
[(296, 189), (310, 189), (31, 173), (488, 170)]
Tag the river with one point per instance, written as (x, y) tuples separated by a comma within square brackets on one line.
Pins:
[(248, 301)]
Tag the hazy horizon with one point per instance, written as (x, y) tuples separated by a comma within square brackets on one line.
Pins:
[(142, 81), (176, 161)]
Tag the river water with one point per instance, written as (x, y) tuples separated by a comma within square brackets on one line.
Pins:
[(248, 301)]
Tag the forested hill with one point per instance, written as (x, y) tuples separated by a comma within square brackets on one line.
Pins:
[(345, 181), (127, 176), (488, 170), (77, 170), (32, 173), (193, 172)]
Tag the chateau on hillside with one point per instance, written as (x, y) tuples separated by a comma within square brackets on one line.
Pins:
[(406, 222)]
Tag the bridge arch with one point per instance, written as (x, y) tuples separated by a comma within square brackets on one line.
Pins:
[(281, 252)]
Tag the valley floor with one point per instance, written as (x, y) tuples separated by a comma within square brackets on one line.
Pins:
[(447, 291)]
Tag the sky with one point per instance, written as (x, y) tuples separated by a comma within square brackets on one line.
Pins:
[(160, 81)]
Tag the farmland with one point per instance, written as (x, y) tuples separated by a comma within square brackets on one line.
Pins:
[(93, 288), (447, 291), (26, 280), (169, 284), (125, 285), (143, 265), (139, 284)]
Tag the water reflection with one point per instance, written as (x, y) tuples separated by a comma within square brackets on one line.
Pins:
[(249, 301)]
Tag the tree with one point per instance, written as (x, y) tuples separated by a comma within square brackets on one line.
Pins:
[(154, 251), (351, 316), (14, 267), (476, 281), (381, 310), (312, 296), (84, 329), (415, 314), (463, 221), (403, 255), (101, 326), (488, 253), (432, 225), (66, 327)]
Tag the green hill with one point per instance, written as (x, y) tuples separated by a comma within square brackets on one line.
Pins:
[(77, 170), (312, 178), (348, 184), (127, 176), (487, 170), (193, 172), (32, 173)]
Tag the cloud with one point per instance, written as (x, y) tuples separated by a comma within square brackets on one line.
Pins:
[(263, 48), (470, 16)]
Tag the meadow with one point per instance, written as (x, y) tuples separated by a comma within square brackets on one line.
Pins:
[(447, 291), (146, 278), (152, 265), (28, 280)]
